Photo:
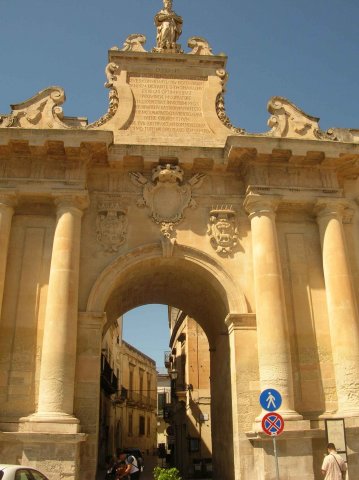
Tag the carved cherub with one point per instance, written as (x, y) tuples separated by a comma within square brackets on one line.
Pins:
[(110, 71)]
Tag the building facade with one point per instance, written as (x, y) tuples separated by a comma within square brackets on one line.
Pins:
[(189, 366), (127, 398), (163, 200)]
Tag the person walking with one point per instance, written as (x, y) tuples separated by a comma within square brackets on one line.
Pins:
[(334, 467)]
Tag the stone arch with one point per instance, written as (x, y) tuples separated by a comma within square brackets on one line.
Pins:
[(199, 285), (121, 286)]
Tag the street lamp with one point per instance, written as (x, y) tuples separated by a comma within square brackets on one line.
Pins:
[(173, 374)]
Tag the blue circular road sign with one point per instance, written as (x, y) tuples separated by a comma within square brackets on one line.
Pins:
[(270, 400)]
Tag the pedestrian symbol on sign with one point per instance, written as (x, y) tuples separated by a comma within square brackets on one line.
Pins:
[(271, 402), (270, 399)]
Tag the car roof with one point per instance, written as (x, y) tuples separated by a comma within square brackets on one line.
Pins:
[(5, 466)]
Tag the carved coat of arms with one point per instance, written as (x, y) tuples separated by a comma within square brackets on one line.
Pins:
[(222, 230), (167, 196), (111, 223)]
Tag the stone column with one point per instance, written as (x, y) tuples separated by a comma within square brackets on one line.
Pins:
[(58, 359), (7, 203), (342, 306), (275, 368)]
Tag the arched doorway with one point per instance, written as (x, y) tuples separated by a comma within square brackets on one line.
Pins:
[(194, 283)]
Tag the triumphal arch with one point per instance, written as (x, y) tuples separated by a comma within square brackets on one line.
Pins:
[(163, 200)]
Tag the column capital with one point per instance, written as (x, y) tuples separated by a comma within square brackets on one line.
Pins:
[(7, 199), (71, 201), (240, 321), (332, 208), (256, 204)]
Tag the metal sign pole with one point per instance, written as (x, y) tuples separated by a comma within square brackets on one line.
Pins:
[(276, 456)]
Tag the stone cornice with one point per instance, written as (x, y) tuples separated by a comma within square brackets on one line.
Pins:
[(240, 321)]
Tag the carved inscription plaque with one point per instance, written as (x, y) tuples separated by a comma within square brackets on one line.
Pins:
[(167, 104)]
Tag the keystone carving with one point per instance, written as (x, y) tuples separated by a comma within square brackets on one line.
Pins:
[(167, 196), (134, 43), (111, 223), (168, 238), (40, 111), (199, 46), (222, 230)]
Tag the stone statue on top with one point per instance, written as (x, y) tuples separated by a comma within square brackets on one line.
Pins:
[(169, 29)]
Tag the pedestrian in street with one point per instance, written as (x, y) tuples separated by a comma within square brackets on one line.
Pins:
[(334, 467), (131, 470)]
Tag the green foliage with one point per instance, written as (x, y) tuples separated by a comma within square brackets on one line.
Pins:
[(166, 474)]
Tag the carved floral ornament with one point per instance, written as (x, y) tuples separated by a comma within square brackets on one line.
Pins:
[(222, 229), (111, 222)]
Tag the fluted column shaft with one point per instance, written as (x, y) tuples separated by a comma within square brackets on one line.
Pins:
[(275, 368), (7, 203), (57, 374), (342, 306)]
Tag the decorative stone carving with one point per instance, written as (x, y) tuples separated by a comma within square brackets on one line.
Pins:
[(111, 222), (199, 46), (168, 238), (40, 111), (220, 107), (169, 29), (110, 71), (222, 229), (134, 43), (167, 196), (288, 120)]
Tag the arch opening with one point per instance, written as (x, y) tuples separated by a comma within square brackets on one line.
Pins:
[(196, 287)]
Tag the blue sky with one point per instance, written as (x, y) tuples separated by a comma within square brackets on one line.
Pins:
[(306, 51)]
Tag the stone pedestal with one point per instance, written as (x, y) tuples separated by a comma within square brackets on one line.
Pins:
[(275, 368), (342, 306)]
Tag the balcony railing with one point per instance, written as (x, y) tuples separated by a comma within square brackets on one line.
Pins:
[(141, 400)]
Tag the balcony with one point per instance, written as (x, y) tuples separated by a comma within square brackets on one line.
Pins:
[(109, 383), (140, 400)]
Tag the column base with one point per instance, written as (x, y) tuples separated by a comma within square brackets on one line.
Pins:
[(288, 415), (52, 422)]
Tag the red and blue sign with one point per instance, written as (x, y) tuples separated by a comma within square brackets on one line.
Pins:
[(272, 424)]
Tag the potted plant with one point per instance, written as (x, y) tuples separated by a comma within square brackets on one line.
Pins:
[(166, 474)]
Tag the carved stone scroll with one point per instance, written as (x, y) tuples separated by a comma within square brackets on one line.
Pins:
[(167, 196), (220, 107), (111, 222), (222, 230), (134, 43), (40, 111), (111, 70), (199, 46), (288, 120)]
